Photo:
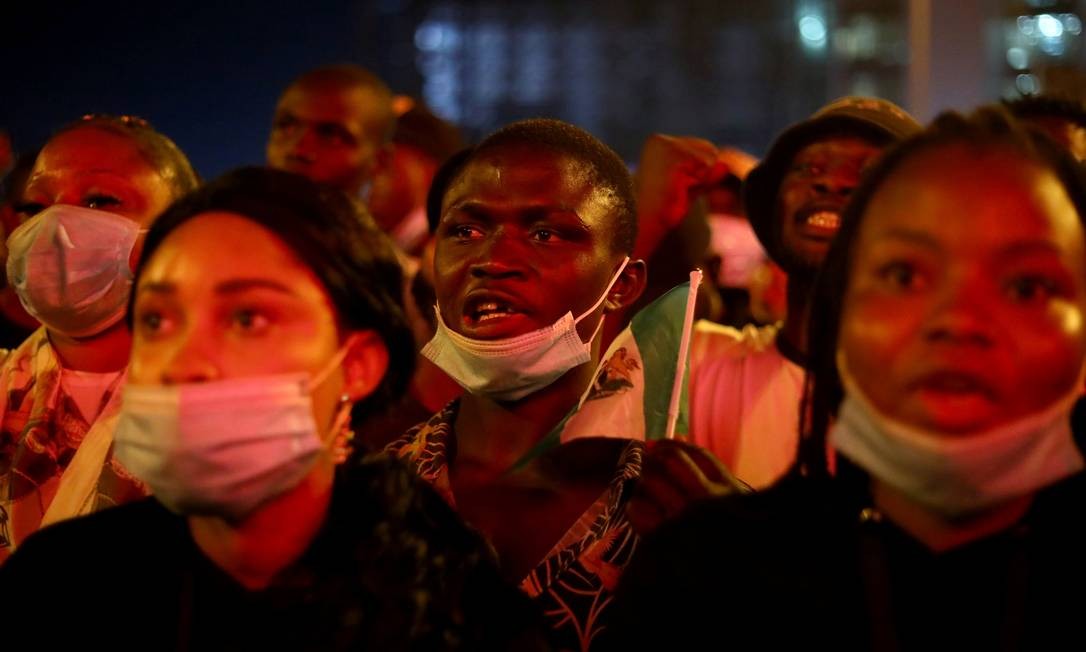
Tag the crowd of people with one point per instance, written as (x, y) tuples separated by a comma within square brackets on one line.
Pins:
[(302, 405)]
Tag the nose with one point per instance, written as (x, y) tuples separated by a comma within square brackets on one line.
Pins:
[(303, 144), (836, 184), (498, 258), (960, 317), (190, 360)]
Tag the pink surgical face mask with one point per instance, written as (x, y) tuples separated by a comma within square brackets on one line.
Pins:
[(225, 447), (69, 266)]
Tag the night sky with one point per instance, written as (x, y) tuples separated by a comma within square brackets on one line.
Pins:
[(206, 74)]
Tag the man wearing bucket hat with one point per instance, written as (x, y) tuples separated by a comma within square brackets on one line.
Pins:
[(745, 386)]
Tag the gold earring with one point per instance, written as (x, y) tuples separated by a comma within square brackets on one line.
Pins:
[(343, 444)]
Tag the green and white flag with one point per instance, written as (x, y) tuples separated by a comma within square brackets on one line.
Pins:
[(639, 391)]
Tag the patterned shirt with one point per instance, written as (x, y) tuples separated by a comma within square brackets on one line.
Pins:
[(41, 430), (573, 584)]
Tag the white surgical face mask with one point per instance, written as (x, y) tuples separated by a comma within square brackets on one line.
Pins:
[(958, 475), (69, 266), (510, 369), (224, 447)]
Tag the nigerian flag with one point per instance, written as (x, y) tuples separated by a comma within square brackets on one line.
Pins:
[(639, 389)]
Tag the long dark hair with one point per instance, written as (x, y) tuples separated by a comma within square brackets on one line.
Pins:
[(334, 236), (988, 127)]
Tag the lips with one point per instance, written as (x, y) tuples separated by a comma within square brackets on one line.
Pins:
[(487, 311), (954, 383), (819, 221)]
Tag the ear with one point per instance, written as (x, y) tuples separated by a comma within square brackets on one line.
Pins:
[(364, 365), (628, 287)]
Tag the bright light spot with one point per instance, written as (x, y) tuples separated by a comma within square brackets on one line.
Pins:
[(436, 36), (1053, 47), (1026, 25), (1049, 26), (428, 37), (1072, 23), (1027, 84), (1018, 58), (812, 30)]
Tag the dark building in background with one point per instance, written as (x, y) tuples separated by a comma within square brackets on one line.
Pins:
[(735, 72)]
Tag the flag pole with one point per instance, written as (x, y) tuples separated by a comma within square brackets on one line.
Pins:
[(684, 348)]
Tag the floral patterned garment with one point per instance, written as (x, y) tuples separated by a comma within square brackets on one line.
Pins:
[(41, 428), (573, 584)]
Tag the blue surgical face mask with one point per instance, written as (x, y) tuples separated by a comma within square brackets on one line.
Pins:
[(511, 368), (69, 266)]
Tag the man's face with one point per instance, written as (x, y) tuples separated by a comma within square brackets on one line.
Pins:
[(326, 133), (401, 186), (525, 236), (813, 194)]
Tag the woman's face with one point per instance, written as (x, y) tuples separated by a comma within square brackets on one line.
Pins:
[(223, 297), (967, 290), (97, 169)]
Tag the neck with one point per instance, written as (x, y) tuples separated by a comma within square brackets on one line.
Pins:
[(493, 435), (256, 549), (938, 532), (431, 386), (794, 329), (101, 353)]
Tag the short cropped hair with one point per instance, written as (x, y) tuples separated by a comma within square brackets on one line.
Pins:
[(349, 75), (154, 147), (608, 170)]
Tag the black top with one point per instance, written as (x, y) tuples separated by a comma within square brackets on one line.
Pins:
[(393, 568), (802, 565)]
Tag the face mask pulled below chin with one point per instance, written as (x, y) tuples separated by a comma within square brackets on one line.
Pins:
[(222, 448), (958, 475), (510, 369), (69, 266)]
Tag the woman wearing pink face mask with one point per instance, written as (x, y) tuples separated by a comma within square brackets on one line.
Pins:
[(94, 188), (265, 311)]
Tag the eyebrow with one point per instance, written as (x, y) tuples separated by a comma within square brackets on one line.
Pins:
[(233, 286), (909, 235), (1021, 248), (32, 183), (1030, 247), (530, 214)]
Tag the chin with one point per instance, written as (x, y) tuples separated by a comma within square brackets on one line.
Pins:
[(962, 424)]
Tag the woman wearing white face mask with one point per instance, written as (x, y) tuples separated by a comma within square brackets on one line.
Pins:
[(265, 308), (948, 352), (93, 189)]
